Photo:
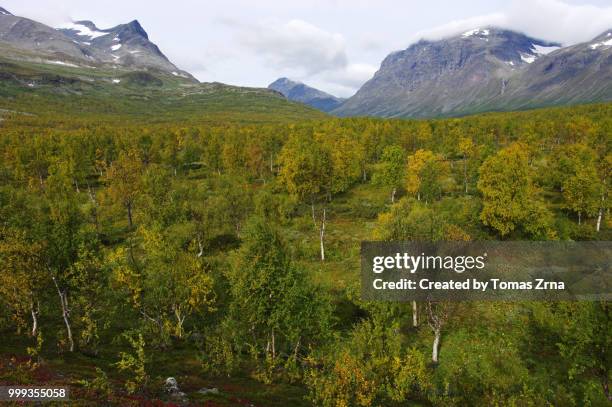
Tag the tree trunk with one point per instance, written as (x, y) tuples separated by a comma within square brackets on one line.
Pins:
[(436, 344), (365, 175), (34, 312), (465, 183), (599, 216), (273, 346), (129, 211), (415, 316), (579, 218), (200, 247), (297, 348), (322, 235), (601, 210), (393, 195), (65, 313), (314, 218), (92, 198), (179, 322), (436, 321)]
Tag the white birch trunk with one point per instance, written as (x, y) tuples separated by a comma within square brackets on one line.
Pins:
[(436, 345), (322, 235), (34, 319), (65, 313), (601, 210)]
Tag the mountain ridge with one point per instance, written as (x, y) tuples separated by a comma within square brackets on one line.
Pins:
[(475, 71), (300, 92), (82, 43)]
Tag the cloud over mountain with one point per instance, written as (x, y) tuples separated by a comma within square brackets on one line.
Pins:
[(296, 44)]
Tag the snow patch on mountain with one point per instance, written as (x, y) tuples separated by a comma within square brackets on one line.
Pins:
[(542, 50), (475, 32), (83, 30), (116, 47), (605, 43), (528, 58)]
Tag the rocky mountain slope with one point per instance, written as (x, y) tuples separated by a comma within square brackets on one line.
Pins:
[(576, 74), (299, 92), (83, 44), (481, 70)]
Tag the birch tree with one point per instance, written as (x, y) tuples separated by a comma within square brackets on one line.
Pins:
[(124, 181), (391, 170), (306, 172)]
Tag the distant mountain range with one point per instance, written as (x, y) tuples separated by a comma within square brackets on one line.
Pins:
[(299, 92), (81, 43), (483, 70), (85, 70)]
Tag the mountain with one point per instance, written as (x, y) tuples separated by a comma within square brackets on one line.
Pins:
[(81, 43), (298, 92), (575, 74), (82, 70), (482, 70)]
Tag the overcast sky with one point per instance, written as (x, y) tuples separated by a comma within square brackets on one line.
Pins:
[(334, 45)]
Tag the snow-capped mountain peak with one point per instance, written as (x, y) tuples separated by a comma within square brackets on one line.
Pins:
[(83, 44)]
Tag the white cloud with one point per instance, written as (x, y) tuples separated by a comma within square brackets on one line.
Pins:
[(352, 76), (459, 26), (296, 45), (559, 21)]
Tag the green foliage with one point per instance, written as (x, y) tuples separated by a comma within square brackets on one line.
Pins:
[(427, 175), (134, 364), (208, 293), (582, 191), (277, 309), (510, 199), (164, 283), (100, 385), (391, 170), (370, 368), (305, 168)]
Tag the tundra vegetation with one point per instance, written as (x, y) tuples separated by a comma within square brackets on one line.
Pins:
[(226, 253)]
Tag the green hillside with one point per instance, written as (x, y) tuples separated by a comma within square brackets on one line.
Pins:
[(45, 89)]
